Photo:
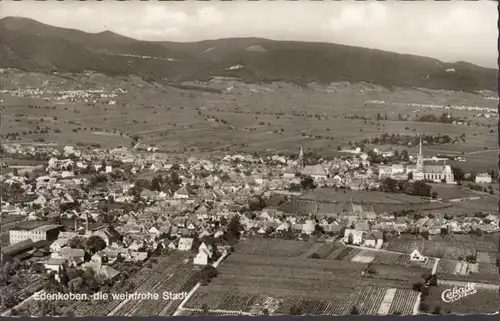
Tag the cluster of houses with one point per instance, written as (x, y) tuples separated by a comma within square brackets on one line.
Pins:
[(209, 193)]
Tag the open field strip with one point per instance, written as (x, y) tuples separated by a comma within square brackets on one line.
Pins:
[(363, 257), (483, 286), (385, 306), (314, 249)]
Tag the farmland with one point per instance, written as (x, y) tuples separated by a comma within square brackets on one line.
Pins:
[(201, 121), (273, 247), (439, 248), (248, 283)]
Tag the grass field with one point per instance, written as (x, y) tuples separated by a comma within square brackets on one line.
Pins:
[(254, 117), (481, 302), (273, 247)]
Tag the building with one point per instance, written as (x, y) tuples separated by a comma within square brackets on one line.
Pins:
[(436, 173), (185, 244), (357, 236), (483, 178), (415, 256), (41, 233)]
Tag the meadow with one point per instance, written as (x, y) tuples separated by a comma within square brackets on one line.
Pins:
[(246, 118)]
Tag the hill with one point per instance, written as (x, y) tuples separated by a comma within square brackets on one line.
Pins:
[(32, 46)]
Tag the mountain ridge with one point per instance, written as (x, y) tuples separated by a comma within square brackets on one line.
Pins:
[(29, 45)]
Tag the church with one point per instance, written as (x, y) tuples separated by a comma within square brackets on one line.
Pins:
[(437, 173), (431, 172)]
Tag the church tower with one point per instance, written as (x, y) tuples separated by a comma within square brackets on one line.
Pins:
[(420, 158), (301, 158)]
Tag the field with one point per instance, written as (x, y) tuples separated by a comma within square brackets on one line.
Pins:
[(245, 118), (389, 258), (440, 248), (249, 283), (273, 247), (481, 302)]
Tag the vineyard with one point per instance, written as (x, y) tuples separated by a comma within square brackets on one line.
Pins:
[(216, 301), (488, 269), (273, 247), (370, 299), (169, 275), (28, 284), (435, 248), (314, 286), (403, 302), (486, 258)]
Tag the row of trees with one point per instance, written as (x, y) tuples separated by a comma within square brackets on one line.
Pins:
[(418, 188)]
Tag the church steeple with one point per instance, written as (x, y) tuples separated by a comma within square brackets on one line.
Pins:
[(301, 158), (420, 159)]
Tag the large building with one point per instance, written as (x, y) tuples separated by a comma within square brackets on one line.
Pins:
[(430, 172), (436, 172), (42, 233)]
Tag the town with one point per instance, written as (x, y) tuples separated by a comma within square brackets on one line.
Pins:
[(89, 221)]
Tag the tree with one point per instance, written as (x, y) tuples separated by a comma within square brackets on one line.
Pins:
[(205, 309), (354, 311), (207, 274), (350, 238), (265, 312), (315, 256), (458, 173), (77, 242), (307, 183), (424, 307), (437, 310), (95, 243), (156, 183), (295, 310)]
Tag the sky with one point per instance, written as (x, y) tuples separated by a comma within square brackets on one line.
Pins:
[(449, 30)]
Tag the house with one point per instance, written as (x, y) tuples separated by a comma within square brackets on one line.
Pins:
[(204, 255), (309, 227), (54, 265), (58, 245), (483, 178), (374, 239), (108, 272), (183, 193), (201, 259), (138, 256), (415, 256), (357, 236), (108, 235), (74, 257), (185, 244)]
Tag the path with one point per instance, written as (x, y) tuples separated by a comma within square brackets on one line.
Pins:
[(180, 308), (435, 267), (219, 311)]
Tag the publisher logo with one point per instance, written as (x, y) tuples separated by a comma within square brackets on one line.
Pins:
[(457, 293)]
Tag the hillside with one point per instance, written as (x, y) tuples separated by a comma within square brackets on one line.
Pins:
[(33, 46)]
